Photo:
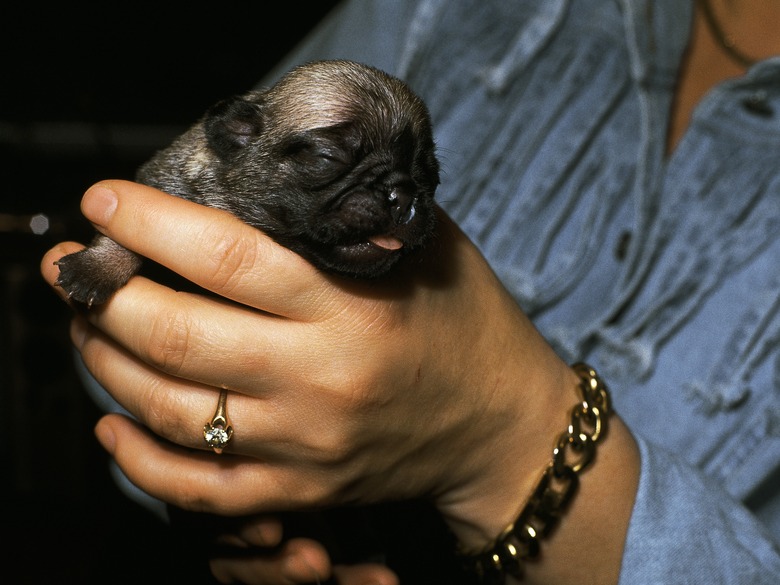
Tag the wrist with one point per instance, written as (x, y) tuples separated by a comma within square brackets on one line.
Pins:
[(526, 411), (502, 532)]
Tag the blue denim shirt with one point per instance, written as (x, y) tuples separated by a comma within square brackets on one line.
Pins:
[(662, 271)]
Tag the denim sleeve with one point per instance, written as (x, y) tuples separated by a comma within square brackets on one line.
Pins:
[(686, 529)]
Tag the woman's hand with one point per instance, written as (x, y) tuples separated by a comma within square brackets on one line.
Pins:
[(430, 382), (340, 391)]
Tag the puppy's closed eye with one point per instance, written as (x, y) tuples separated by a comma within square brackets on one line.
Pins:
[(322, 155)]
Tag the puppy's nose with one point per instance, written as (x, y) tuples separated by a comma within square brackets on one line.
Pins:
[(401, 205)]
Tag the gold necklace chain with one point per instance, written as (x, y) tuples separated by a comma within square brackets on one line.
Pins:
[(725, 42)]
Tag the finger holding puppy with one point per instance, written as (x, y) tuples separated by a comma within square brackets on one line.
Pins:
[(339, 388), (221, 252)]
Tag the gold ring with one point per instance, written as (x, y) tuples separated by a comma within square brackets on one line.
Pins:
[(218, 431)]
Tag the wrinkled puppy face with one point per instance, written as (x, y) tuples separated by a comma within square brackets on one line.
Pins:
[(336, 162)]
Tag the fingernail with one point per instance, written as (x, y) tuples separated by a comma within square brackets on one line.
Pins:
[(99, 204), (264, 532), (296, 566), (105, 436)]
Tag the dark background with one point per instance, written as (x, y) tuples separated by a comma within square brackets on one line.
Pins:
[(88, 93)]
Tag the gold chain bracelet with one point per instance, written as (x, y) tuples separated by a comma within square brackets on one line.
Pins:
[(573, 452)]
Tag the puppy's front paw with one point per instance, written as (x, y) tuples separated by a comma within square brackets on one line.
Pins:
[(92, 275), (85, 279)]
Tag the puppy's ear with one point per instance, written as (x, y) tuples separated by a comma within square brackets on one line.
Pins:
[(232, 124)]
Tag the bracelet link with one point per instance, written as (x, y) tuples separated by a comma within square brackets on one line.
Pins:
[(574, 450)]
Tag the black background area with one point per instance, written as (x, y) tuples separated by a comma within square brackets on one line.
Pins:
[(88, 91)]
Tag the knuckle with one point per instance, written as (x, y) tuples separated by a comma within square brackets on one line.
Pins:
[(230, 261), (168, 341), (161, 410), (335, 446), (333, 451), (202, 497), (361, 393), (192, 498)]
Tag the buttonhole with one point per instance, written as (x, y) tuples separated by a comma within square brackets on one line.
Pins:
[(621, 249)]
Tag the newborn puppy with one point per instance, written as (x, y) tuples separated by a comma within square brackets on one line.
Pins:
[(336, 162)]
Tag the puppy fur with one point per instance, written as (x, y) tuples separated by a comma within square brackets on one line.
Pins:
[(336, 162)]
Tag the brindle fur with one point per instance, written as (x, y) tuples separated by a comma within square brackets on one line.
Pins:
[(332, 156)]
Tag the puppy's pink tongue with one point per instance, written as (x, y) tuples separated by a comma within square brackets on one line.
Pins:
[(386, 242)]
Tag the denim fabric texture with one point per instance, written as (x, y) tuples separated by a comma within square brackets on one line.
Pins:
[(661, 270)]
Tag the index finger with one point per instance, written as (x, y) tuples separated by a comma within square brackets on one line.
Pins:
[(209, 247)]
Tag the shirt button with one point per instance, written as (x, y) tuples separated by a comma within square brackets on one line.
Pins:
[(758, 103)]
